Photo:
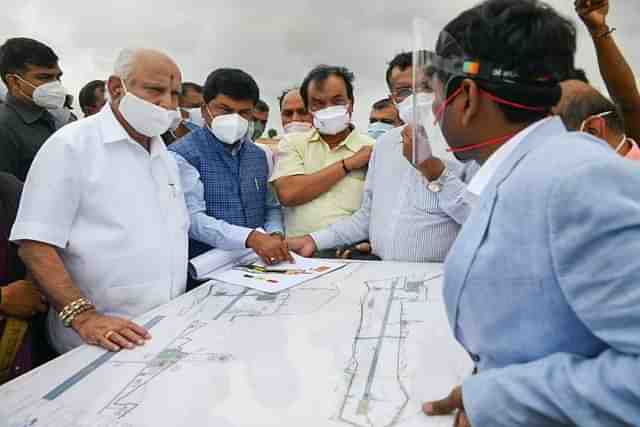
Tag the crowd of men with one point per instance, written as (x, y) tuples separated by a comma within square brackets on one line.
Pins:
[(538, 219)]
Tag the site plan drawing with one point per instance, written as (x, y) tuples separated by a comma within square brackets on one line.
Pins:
[(361, 346)]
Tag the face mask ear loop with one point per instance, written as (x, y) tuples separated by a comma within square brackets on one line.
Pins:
[(622, 143), (482, 144), (441, 109)]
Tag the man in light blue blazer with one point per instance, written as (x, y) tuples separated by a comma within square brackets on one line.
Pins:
[(542, 286)]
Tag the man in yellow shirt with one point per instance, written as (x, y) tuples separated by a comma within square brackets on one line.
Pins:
[(319, 176)]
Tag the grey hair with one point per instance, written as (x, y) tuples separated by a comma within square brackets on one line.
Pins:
[(125, 62), (590, 104)]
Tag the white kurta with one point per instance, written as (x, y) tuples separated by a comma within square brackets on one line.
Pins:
[(117, 213)]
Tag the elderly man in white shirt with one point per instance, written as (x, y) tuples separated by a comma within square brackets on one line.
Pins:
[(103, 223)]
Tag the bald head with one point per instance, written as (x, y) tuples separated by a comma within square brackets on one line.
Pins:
[(292, 108), (570, 90), (148, 74)]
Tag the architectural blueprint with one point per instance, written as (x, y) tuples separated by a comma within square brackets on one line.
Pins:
[(362, 346)]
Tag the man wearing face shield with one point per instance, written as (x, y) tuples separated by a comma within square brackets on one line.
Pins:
[(320, 174), (400, 215), (31, 72), (102, 223), (226, 176), (532, 290)]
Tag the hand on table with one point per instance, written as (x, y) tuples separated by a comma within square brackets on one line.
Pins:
[(272, 249), (447, 406), (111, 333), (304, 246)]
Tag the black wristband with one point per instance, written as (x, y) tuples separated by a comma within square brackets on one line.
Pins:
[(344, 166)]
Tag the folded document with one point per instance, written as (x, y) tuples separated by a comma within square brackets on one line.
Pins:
[(244, 268)]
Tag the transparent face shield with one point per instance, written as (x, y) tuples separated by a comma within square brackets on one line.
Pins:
[(431, 74)]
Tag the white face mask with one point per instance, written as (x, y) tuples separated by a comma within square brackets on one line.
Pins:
[(146, 118), (229, 128), (176, 118), (295, 127), (49, 95), (405, 108), (331, 120), (195, 116)]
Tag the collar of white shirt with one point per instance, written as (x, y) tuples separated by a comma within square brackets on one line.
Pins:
[(491, 166), (112, 131)]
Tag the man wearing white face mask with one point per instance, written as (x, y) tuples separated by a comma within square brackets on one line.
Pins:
[(294, 114), (403, 219), (102, 223), (591, 112), (32, 75), (320, 174), (226, 176), (191, 102)]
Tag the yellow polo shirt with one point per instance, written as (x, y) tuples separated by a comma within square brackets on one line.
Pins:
[(306, 153)]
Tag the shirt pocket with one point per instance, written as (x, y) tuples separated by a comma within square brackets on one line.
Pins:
[(348, 192), (421, 199)]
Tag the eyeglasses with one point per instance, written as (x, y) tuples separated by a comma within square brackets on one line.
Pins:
[(400, 94)]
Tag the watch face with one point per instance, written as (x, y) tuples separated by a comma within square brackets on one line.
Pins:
[(434, 187)]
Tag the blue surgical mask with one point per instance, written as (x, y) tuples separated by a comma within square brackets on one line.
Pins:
[(377, 129)]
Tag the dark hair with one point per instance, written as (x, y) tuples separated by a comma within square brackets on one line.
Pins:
[(261, 106), (191, 86), (590, 104), (17, 53), (382, 104), (576, 74), (87, 95), (402, 61), (284, 94), (231, 82), (534, 41), (320, 74)]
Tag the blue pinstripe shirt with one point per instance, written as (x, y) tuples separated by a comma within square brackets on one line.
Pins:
[(403, 219)]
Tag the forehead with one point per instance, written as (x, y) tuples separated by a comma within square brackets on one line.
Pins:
[(245, 104), (401, 76), (191, 93), (292, 101), (160, 71), (332, 86), (261, 115), (385, 112), (38, 69)]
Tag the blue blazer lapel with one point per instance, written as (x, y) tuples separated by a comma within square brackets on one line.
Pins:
[(474, 231), (463, 254), (538, 137)]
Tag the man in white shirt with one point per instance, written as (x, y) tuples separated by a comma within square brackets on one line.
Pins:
[(103, 223)]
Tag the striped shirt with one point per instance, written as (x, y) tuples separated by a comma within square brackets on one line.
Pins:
[(399, 215)]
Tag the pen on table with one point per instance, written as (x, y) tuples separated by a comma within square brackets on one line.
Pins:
[(248, 276)]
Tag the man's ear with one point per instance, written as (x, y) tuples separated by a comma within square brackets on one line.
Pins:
[(470, 101), (350, 108), (115, 87), (597, 126)]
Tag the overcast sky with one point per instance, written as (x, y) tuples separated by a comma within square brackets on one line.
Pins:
[(276, 41)]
